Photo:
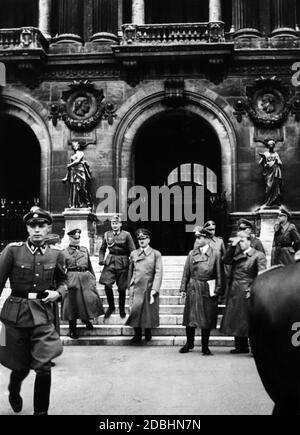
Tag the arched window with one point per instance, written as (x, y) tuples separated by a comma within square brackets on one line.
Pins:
[(18, 13), (195, 174)]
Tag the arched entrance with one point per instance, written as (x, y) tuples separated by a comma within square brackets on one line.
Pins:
[(142, 114), (20, 175), (178, 148)]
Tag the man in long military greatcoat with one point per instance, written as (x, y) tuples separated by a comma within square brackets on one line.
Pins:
[(82, 300), (29, 339), (246, 263), (144, 281), (120, 245), (201, 284), (286, 240)]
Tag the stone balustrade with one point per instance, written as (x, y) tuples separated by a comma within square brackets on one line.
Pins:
[(158, 34), (22, 38)]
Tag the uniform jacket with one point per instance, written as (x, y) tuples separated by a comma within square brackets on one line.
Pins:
[(200, 308), (285, 243), (82, 300), (30, 272), (245, 267), (145, 274), (217, 243), (121, 245)]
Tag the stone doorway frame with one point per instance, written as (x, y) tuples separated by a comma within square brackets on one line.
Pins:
[(199, 100), (20, 105)]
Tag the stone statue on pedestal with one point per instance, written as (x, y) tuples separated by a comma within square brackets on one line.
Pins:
[(272, 164), (79, 179)]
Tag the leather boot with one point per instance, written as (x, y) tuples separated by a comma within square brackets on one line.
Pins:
[(148, 335), (41, 396), (111, 302), (137, 338), (205, 339), (122, 296), (190, 338), (72, 329), (14, 388)]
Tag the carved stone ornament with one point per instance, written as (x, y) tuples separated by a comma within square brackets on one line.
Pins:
[(82, 108), (267, 103)]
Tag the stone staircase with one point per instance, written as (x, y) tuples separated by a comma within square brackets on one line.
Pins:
[(170, 332)]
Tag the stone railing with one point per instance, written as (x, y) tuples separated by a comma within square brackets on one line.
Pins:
[(24, 38), (168, 34)]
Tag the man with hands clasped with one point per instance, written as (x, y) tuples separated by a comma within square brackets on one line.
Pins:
[(144, 281)]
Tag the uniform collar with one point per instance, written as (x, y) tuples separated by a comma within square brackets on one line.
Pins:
[(75, 247), (116, 233), (146, 251), (36, 249)]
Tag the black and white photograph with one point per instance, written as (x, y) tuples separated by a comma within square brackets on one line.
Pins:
[(150, 210)]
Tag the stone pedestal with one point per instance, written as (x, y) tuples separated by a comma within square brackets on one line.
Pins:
[(84, 219), (268, 218)]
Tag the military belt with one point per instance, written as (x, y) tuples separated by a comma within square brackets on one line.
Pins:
[(29, 295), (77, 269), (282, 245)]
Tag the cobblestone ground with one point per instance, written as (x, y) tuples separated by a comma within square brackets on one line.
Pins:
[(123, 380)]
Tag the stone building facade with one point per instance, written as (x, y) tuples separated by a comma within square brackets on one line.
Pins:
[(181, 92)]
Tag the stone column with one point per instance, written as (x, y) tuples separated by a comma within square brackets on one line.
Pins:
[(245, 15), (70, 21), (138, 12), (44, 24), (284, 18), (215, 10), (105, 21)]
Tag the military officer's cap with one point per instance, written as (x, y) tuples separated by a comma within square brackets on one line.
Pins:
[(52, 239), (116, 218), (209, 225), (142, 233), (37, 215), (244, 223), (200, 231), (74, 232), (284, 212)]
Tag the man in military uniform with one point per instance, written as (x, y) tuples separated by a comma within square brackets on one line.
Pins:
[(246, 227), (120, 245), (30, 340), (286, 240), (82, 300)]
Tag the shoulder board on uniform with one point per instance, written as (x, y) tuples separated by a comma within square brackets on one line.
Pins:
[(16, 244), (55, 248)]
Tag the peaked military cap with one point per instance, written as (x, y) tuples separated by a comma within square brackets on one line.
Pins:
[(200, 231), (142, 233), (52, 239), (74, 232), (37, 215), (210, 225), (285, 212), (244, 223), (116, 218)]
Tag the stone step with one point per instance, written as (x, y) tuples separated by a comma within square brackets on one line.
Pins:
[(116, 320), (122, 330), (156, 341), (163, 300)]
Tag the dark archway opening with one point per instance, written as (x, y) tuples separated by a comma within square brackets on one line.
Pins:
[(170, 149), (19, 176)]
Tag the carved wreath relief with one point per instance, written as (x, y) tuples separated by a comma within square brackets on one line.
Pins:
[(83, 107)]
